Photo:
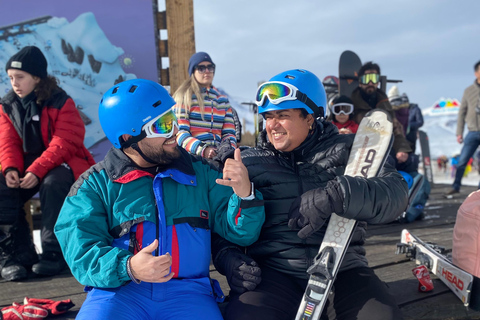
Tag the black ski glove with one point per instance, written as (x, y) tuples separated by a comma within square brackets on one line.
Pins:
[(242, 272), (309, 211)]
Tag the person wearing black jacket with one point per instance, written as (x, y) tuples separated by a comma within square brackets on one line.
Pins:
[(299, 167)]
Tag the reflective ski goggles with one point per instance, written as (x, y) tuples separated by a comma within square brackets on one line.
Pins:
[(162, 126), (277, 92), (345, 108), (202, 69), (373, 77)]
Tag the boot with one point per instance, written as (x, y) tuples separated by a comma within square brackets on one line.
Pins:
[(23, 247), (11, 268), (51, 263)]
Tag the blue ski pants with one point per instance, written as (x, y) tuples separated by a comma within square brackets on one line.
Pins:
[(470, 145), (175, 299)]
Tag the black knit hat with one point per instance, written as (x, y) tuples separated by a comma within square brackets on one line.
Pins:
[(197, 58), (30, 59), (342, 99)]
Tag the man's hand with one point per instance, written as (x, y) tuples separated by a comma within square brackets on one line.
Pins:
[(460, 139), (402, 156), (29, 181), (12, 179), (242, 272), (209, 152), (148, 268), (310, 210), (235, 175)]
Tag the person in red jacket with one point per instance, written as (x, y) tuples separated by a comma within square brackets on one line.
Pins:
[(41, 150), (341, 115)]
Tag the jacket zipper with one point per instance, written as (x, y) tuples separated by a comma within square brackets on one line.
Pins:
[(157, 226)]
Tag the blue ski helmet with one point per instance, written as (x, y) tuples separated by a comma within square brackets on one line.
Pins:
[(127, 106), (308, 84)]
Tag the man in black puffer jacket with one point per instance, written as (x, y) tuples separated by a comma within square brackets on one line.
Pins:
[(298, 166)]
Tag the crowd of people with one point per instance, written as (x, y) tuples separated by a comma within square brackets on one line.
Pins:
[(140, 227)]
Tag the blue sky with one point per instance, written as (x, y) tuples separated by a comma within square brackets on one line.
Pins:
[(431, 45)]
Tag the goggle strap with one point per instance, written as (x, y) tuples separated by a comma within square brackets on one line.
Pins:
[(137, 148), (133, 140), (305, 99)]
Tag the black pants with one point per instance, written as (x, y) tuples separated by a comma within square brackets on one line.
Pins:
[(358, 294), (53, 190)]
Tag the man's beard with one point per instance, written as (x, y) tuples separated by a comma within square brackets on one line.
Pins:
[(369, 90), (160, 156)]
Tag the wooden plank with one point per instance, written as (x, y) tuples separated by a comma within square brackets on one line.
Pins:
[(442, 307), (181, 39), (165, 77), (56, 288), (163, 48), (161, 20)]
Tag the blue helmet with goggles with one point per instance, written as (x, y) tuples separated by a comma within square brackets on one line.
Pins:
[(293, 89), (138, 107)]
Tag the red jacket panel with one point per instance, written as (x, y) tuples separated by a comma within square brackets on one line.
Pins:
[(350, 124), (63, 133)]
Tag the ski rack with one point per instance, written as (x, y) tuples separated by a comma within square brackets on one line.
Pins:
[(431, 256)]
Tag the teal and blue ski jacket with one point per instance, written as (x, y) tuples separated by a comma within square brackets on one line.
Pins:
[(115, 209)]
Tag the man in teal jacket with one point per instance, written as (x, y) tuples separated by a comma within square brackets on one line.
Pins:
[(135, 228)]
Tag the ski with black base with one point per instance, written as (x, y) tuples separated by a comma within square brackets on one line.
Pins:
[(425, 149), (430, 255), (370, 149)]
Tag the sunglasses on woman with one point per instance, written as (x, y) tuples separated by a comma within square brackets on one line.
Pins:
[(202, 69)]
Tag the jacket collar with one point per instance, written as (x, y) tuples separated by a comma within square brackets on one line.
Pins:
[(120, 168)]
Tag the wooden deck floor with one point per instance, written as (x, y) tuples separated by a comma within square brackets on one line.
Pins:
[(395, 270)]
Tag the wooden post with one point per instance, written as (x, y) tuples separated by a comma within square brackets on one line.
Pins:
[(177, 19)]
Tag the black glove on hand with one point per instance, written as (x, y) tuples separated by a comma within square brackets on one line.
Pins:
[(242, 272), (310, 210)]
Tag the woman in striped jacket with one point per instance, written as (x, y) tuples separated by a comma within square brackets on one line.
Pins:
[(204, 115)]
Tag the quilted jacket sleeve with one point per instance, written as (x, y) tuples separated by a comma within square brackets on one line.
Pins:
[(65, 136), (375, 200)]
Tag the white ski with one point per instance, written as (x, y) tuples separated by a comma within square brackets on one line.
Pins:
[(430, 255), (370, 149)]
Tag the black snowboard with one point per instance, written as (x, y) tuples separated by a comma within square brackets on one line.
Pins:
[(330, 83), (348, 68), (425, 149)]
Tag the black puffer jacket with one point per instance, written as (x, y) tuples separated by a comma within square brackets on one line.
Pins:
[(281, 177)]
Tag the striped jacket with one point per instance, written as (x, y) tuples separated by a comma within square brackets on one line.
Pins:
[(217, 125)]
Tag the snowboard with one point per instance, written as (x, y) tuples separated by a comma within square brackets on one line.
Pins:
[(425, 150), (430, 255), (330, 83), (348, 68), (370, 149)]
